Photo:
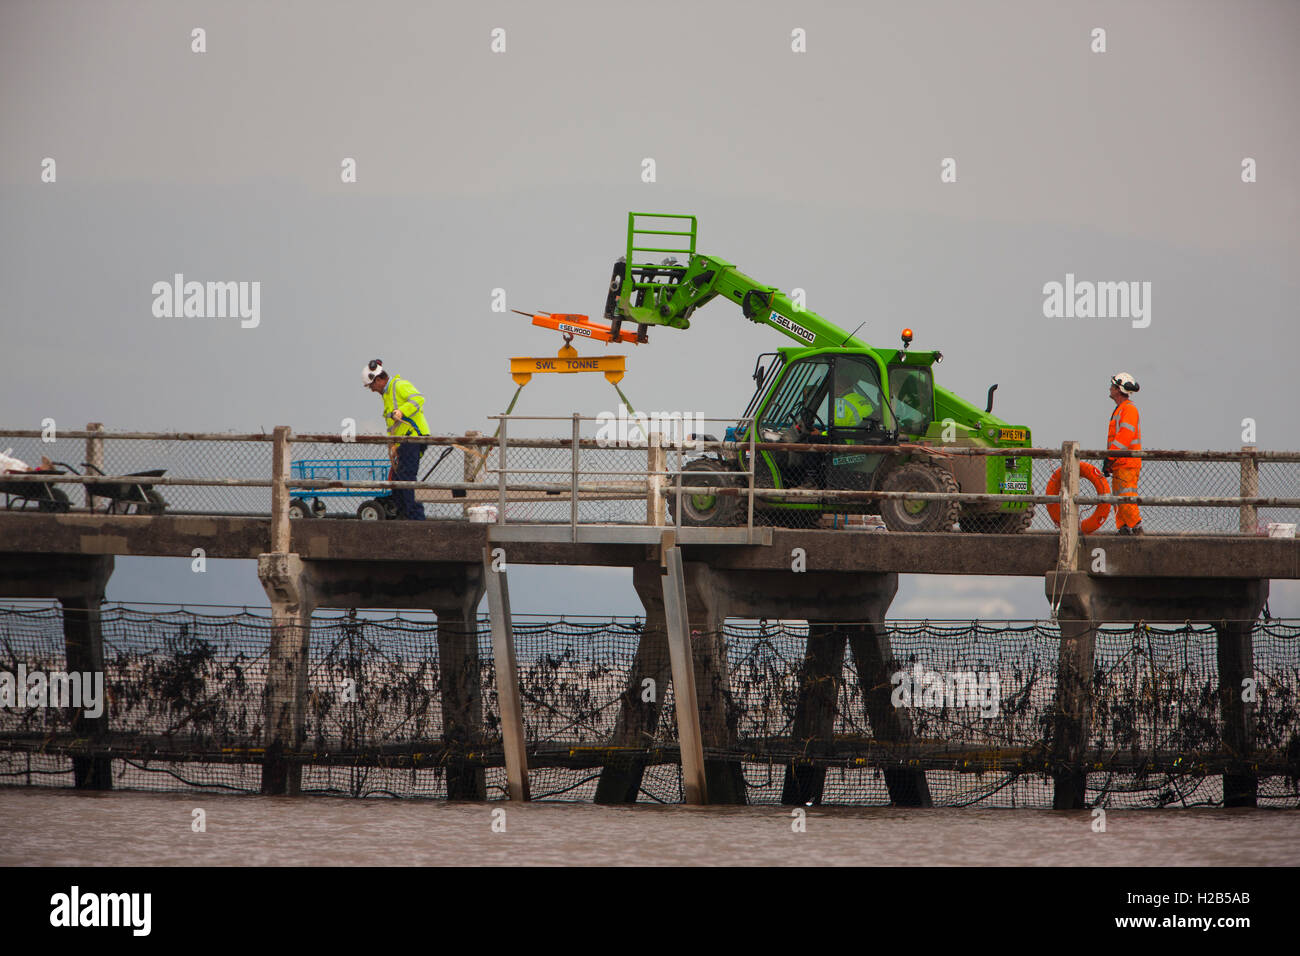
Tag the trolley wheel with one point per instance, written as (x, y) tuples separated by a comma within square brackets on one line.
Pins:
[(371, 510), (153, 505), (59, 503), (317, 508), (299, 508)]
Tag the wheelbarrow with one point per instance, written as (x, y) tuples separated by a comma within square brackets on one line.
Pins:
[(34, 495), (126, 496)]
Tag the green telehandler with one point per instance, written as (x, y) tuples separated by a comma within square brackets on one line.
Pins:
[(832, 388)]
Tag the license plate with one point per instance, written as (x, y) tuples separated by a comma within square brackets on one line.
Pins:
[(1011, 434)]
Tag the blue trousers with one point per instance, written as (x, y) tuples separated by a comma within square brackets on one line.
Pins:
[(408, 469)]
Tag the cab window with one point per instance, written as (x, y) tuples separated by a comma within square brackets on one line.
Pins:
[(801, 396), (913, 391), (858, 399)]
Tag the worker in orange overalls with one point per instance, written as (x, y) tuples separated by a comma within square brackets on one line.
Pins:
[(1124, 434)]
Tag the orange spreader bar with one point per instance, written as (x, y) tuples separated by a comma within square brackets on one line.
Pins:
[(572, 323)]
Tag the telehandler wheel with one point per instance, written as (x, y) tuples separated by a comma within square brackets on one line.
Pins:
[(1002, 522), (901, 515), (706, 511)]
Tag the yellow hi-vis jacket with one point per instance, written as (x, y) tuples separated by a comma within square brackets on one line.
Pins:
[(408, 400), (852, 410)]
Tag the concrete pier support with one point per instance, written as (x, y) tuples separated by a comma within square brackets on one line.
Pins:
[(1085, 601), (285, 694), (874, 655), (460, 682), (642, 704), (1236, 656), (78, 582), (820, 678), (296, 587), (713, 595)]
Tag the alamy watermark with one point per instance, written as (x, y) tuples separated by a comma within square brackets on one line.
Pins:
[(629, 429), (56, 689), (920, 687), (75, 908), (1084, 299), (208, 300)]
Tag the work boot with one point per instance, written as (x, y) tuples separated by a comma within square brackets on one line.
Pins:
[(1136, 529), (1124, 529)]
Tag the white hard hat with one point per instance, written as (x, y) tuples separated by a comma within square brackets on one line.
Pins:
[(374, 368), (1125, 381)]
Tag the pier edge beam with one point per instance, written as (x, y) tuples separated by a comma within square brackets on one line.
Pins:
[(285, 695)]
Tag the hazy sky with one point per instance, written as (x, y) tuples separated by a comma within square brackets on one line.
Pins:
[(478, 170)]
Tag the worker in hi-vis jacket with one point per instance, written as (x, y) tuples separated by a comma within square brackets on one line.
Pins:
[(403, 416), (1124, 434)]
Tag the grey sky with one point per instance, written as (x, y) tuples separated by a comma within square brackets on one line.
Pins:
[(516, 170)]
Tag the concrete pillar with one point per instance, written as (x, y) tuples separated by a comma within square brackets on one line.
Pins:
[(874, 655), (642, 701), (83, 638), (78, 582), (820, 679), (1072, 714), (1236, 653), (638, 719), (461, 685), (285, 695), (1086, 601)]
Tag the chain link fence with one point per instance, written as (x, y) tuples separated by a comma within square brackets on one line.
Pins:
[(611, 478)]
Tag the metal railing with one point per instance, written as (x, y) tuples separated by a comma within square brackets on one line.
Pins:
[(636, 477)]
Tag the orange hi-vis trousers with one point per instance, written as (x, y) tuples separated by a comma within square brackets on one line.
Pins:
[(1126, 480)]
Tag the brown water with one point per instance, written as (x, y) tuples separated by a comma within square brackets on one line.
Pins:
[(67, 828)]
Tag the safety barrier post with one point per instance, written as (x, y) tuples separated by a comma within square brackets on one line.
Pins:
[(470, 469), (280, 490), (94, 456), (1067, 558), (501, 472), (656, 505), (573, 488), (1249, 515)]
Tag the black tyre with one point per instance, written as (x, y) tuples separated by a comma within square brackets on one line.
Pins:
[(1001, 522), (153, 505), (299, 508), (901, 515), (706, 511), (371, 510), (318, 508), (390, 507)]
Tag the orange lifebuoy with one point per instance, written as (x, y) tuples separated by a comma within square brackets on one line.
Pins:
[(1099, 514)]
